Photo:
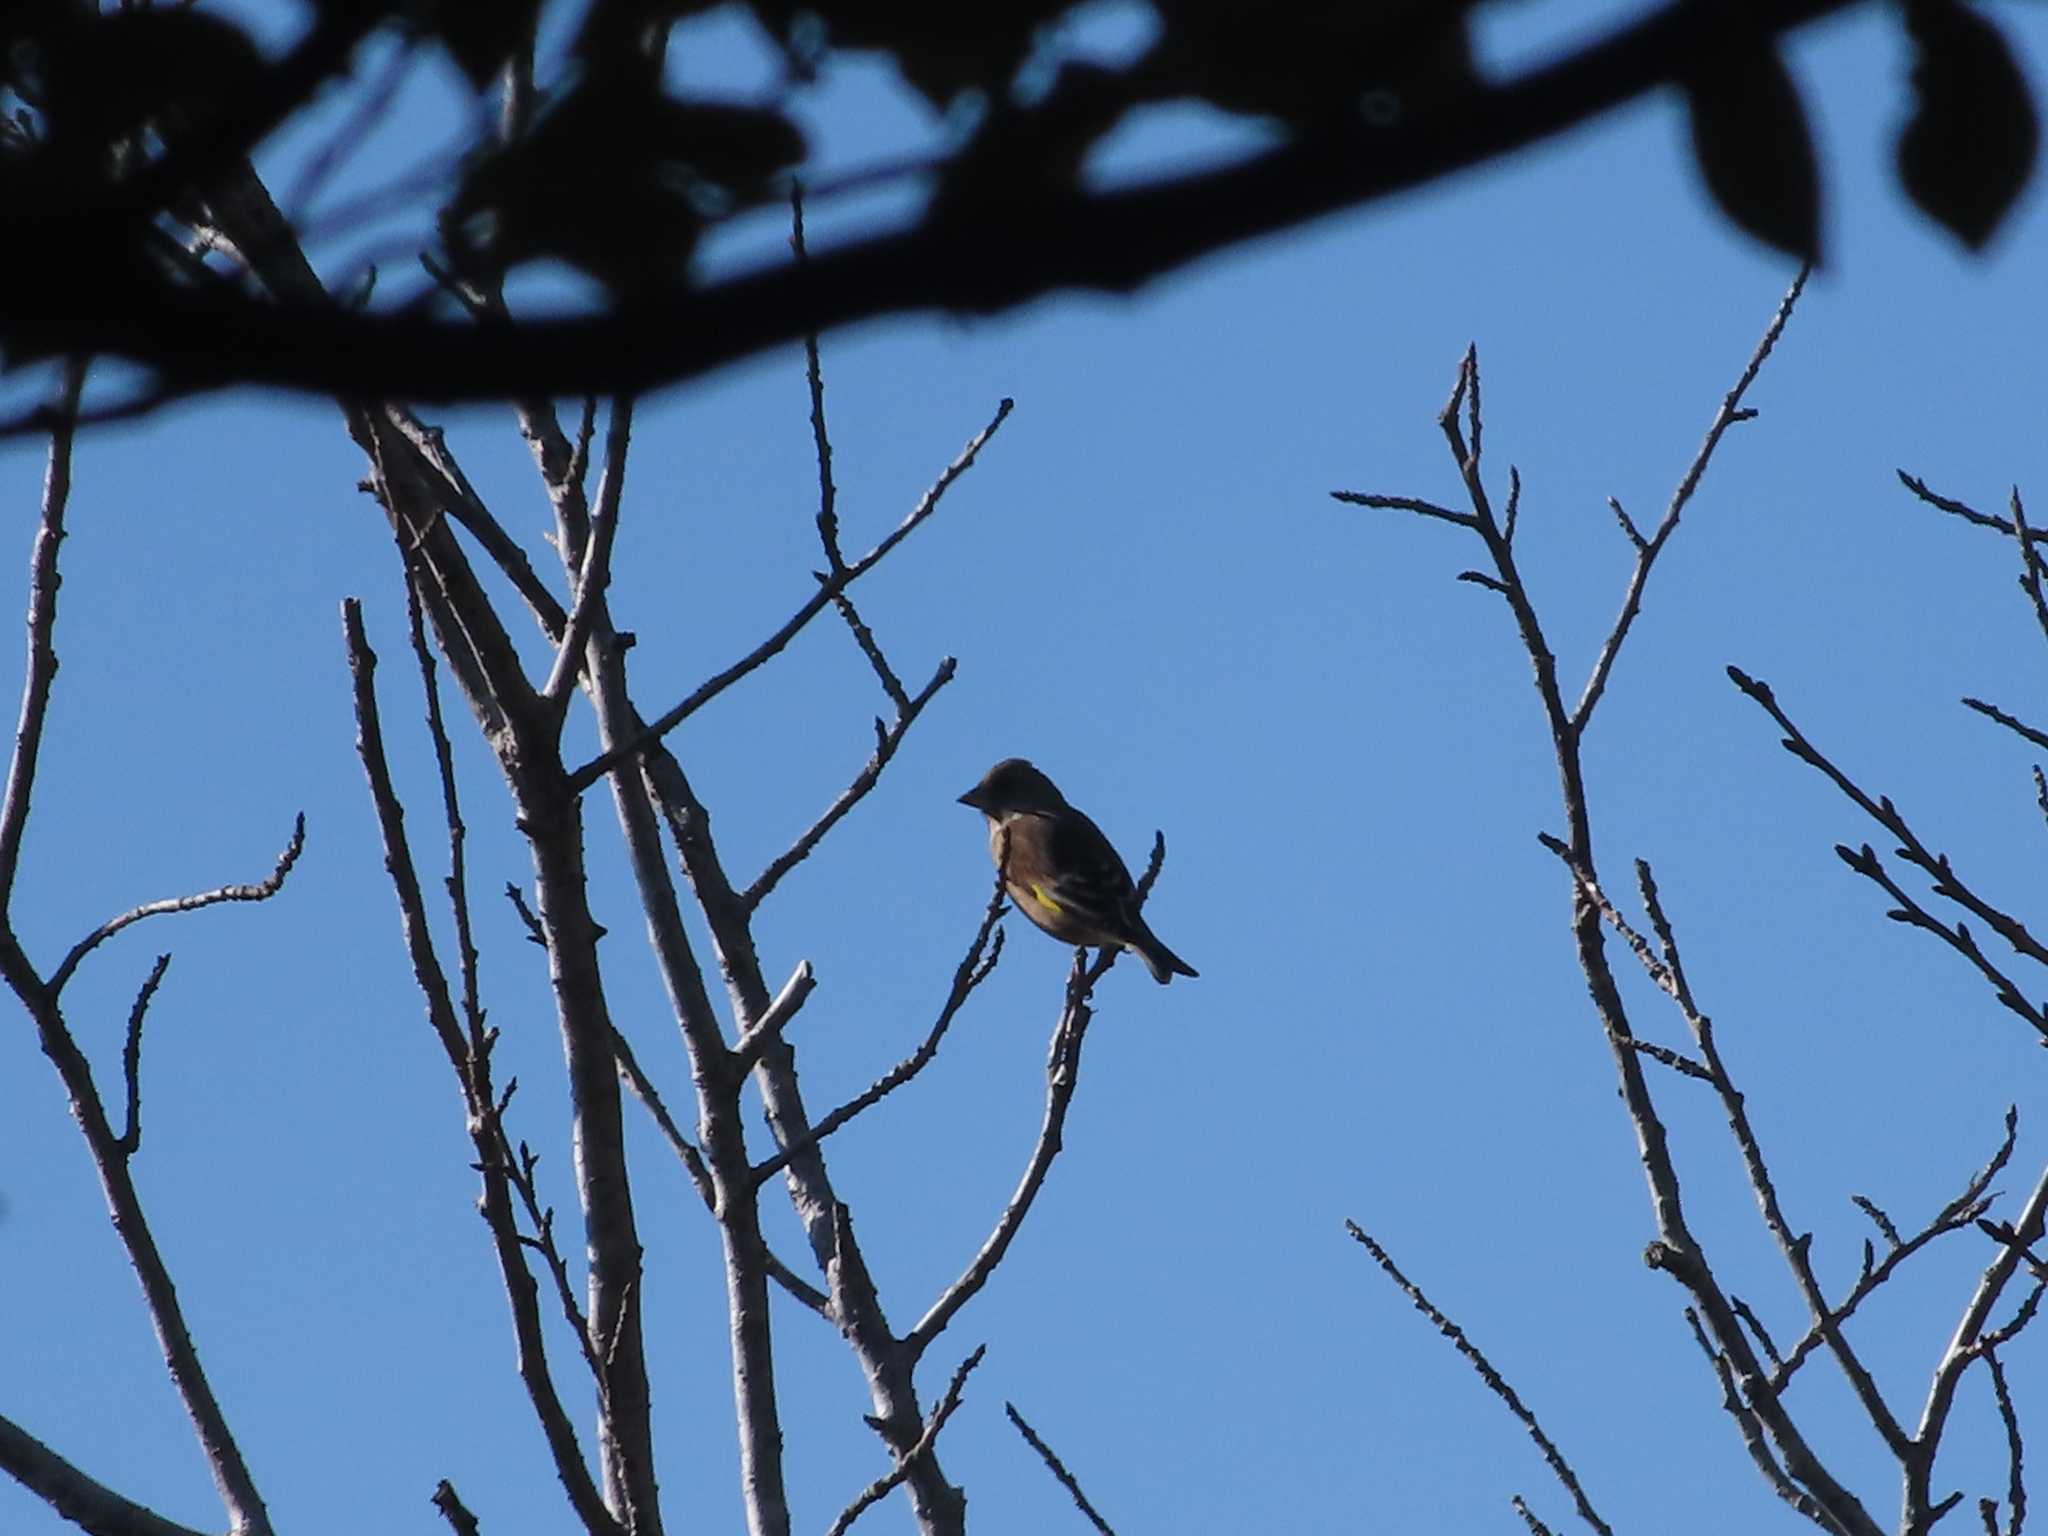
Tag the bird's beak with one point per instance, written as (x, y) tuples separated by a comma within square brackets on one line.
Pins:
[(972, 797)]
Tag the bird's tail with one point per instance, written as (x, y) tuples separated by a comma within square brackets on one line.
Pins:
[(1162, 962)]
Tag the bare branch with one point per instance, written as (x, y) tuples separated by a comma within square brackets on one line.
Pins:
[(451, 813), (521, 1292), (645, 1091), (1963, 1348), (2018, 727), (1865, 862), (971, 972), (74, 1495), (1063, 1075), (799, 1289), (828, 493), (452, 1509), (594, 570), (1797, 1249), (1754, 1438), (1628, 526), (1954, 508), (1407, 504), (2030, 563), (262, 890), (130, 1140), (1960, 1212), (1495, 1382), (1878, 1218), (864, 637), (1756, 1327), (770, 1025), (517, 1165), (41, 672), (1677, 1061), (1731, 412), (467, 508), (110, 1152), (582, 778), (2015, 1446), (879, 1488), (1775, 1437), (887, 740), (1536, 1526), (1058, 1469), (1936, 867)]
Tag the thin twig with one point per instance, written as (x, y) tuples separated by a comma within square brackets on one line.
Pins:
[(887, 740), (1058, 1469), (583, 777), (1755, 1325), (879, 1488), (1407, 504), (1754, 1438), (1495, 1382), (517, 1165), (768, 1028), (1647, 550), (1959, 1212), (41, 671), (467, 508), (973, 969), (457, 882), (799, 1289), (2015, 1447), (130, 1141), (594, 571), (1887, 816), (1063, 1076), (261, 890), (2017, 726), (1964, 1347), (453, 1510), (2030, 563), (828, 493), (870, 647)]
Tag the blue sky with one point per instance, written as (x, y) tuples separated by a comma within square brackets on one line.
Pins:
[(1150, 593)]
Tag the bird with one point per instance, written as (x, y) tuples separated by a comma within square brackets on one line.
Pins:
[(1060, 870)]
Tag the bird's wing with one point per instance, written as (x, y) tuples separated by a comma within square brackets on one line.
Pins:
[(1091, 881)]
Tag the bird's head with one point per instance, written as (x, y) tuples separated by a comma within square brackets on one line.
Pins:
[(1013, 785)]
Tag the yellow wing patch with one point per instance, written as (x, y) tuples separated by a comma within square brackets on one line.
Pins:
[(1043, 898)]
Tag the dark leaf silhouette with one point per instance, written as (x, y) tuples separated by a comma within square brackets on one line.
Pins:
[(1970, 145), (619, 183), (1750, 136)]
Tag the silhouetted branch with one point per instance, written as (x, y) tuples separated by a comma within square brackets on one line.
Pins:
[(1647, 550), (73, 1495), (1495, 1382), (130, 1139), (582, 778), (1058, 1469), (2017, 726), (1936, 867), (879, 1488), (972, 971), (1063, 1076), (453, 1510), (482, 1112), (984, 258), (262, 890)]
